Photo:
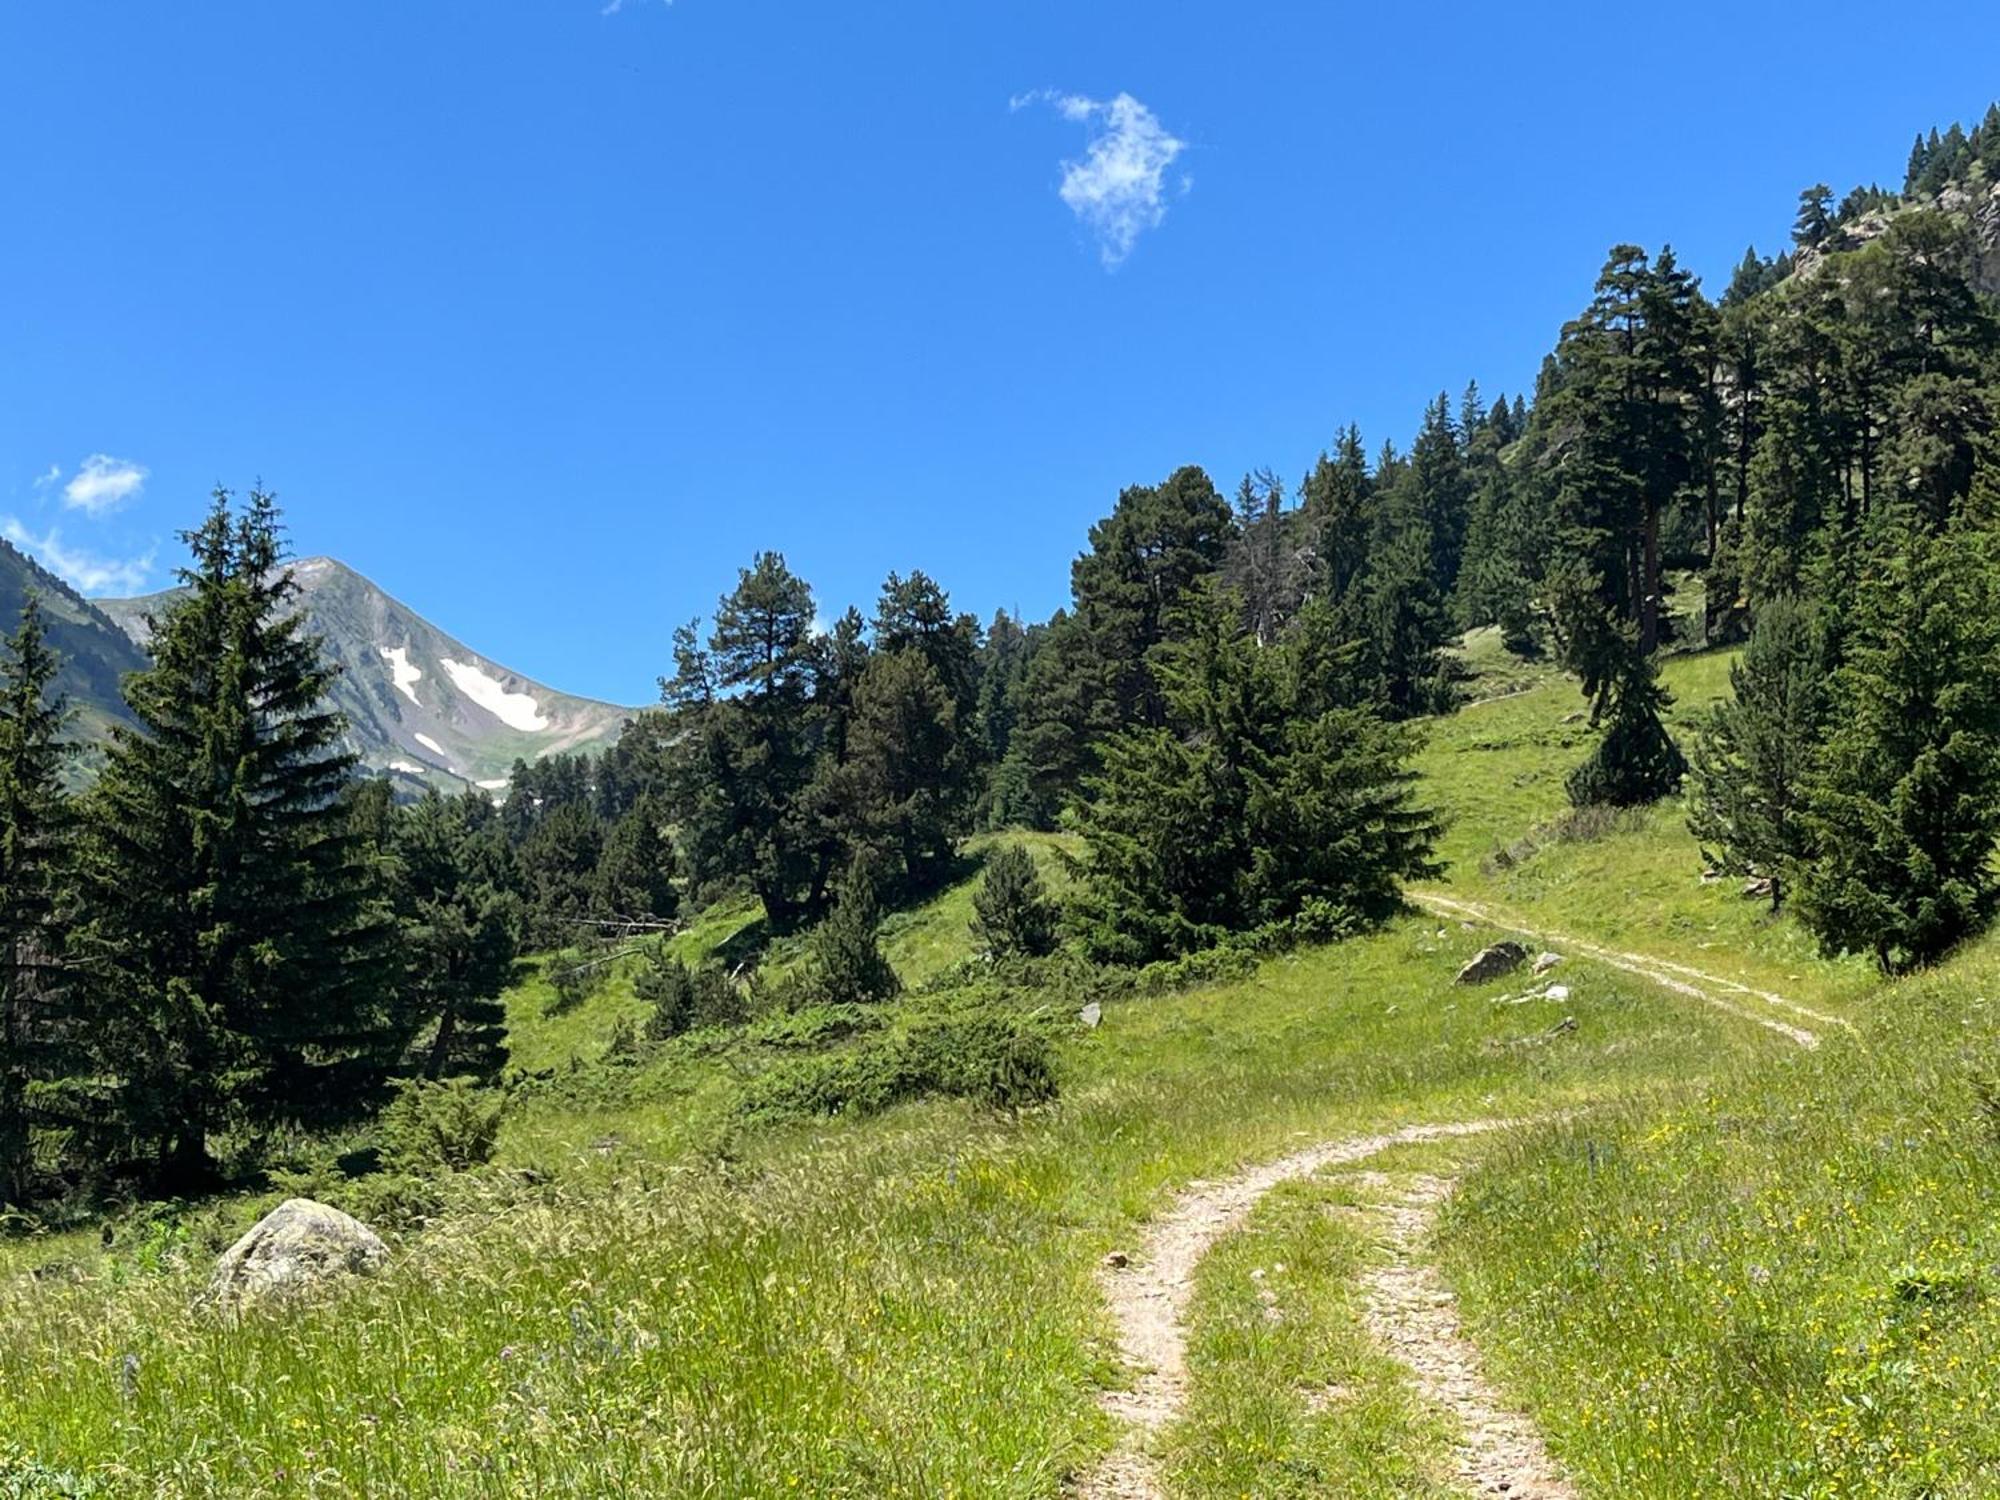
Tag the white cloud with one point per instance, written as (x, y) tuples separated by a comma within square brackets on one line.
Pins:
[(87, 571), (1118, 190), (103, 483), (612, 7), (49, 477)]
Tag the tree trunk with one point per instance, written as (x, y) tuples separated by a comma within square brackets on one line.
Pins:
[(434, 1066), (1649, 582)]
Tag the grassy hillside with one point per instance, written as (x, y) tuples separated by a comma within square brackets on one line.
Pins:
[(1723, 1263)]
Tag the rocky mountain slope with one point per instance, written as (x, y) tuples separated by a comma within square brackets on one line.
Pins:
[(95, 654), (421, 705)]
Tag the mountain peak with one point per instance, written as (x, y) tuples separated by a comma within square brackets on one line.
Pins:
[(420, 704)]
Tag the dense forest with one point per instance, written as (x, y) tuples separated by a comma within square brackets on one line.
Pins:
[(231, 936)]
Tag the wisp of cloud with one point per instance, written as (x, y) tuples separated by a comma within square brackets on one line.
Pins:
[(103, 483), (1118, 190)]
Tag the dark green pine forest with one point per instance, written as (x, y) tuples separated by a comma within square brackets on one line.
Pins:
[(229, 939)]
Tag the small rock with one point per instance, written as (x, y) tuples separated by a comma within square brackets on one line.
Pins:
[(1575, 718), (296, 1248), (1491, 963), (1556, 992), (1546, 962), (1759, 886), (1091, 1014), (1117, 1260)]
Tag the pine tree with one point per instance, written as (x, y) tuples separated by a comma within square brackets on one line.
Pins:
[(1621, 443), (1903, 814), (558, 864), (844, 953), (1235, 814), (1635, 761), (1815, 216), (1443, 492), (634, 878), (1754, 757), (460, 937), (1337, 508), (238, 946), (902, 796), (748, 722), (1145, 560), (39, 1041), (1011, 911)]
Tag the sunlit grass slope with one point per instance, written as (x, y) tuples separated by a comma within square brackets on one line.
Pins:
[(1496, 770), (1784, 1285), (900, 1306), (1736, 1267)]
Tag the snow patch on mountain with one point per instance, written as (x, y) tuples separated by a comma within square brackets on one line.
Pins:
[(407, 673), (432, 745), (515, 710), (408, 767), (492, 786)]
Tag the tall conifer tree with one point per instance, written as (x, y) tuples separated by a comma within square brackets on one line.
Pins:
[(238, 946), (39, 1037)]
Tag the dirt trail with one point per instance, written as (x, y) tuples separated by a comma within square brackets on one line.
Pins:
[(1677, 977), (1149, 1297), (1412, 1314)]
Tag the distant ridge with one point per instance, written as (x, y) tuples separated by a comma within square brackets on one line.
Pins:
[(421, 705)]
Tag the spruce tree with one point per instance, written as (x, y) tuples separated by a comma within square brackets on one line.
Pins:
[(1904, 811), (1753, 758), (40, 1042), (238, 948)]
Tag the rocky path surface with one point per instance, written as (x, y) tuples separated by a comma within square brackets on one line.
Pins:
[(1710, 989), (1149, 1292), (1412, 1314), (1407, 1307)]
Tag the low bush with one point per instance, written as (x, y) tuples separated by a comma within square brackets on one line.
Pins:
[(432, 1128), (1001, 1060)]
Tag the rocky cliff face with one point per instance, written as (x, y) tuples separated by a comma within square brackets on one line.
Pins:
[(1976, 205)]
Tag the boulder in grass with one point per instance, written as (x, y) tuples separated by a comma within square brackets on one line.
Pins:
[(1491, 963), (297, 1248), (1546, 962)]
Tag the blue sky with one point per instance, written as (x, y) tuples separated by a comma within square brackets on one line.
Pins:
[(547, 314)]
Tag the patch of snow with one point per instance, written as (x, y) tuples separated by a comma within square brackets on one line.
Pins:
[(515, 710), (408, 766), (492, 786), (408, 673), (432, 745)]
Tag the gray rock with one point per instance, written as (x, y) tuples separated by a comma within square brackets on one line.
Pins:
[(1091, 1014), (1546, 962), (296, 1248), (1490, 963)]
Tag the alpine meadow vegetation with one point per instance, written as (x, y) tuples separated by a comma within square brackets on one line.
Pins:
[(769, 1102)]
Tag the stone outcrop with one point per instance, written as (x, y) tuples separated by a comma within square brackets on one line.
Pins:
[(296, 1249)]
